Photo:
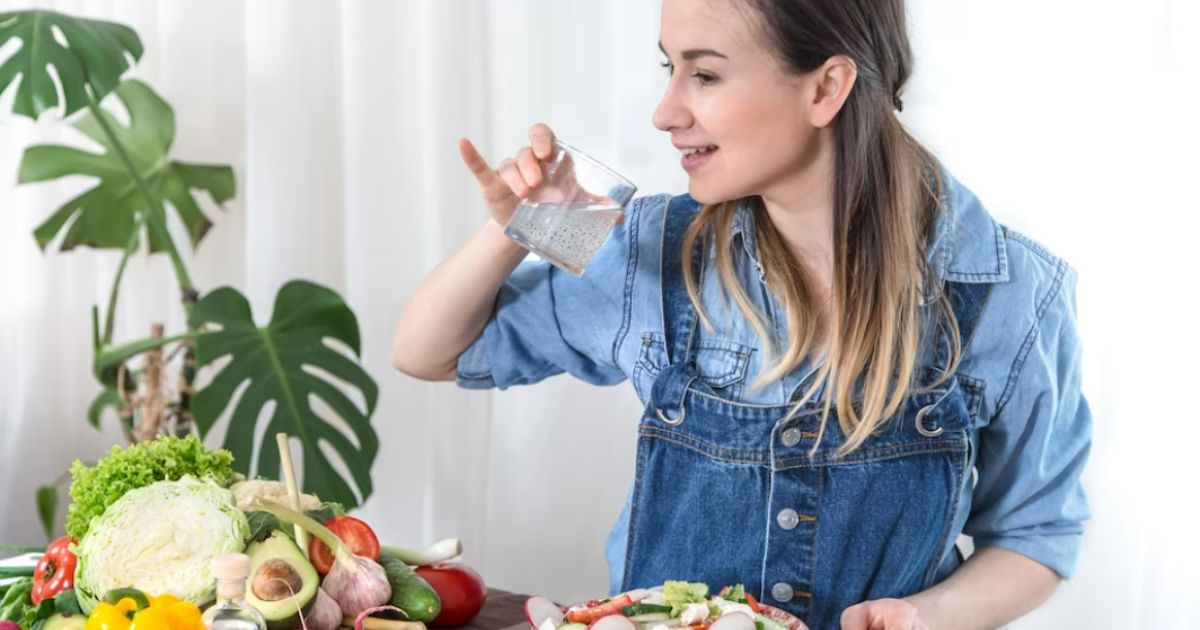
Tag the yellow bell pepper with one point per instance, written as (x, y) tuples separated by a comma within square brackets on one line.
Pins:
[(129, 609)]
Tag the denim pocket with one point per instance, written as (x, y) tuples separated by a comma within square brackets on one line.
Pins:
[(721, 364)]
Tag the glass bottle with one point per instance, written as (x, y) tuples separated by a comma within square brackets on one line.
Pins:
[(231, 612)]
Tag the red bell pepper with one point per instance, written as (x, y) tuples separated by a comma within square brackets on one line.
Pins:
[(55, 572), (611, 607)]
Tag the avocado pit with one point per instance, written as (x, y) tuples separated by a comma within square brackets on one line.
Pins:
[(276, 579)]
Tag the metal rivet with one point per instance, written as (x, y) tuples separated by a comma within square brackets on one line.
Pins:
[(791, 437), (788, 518), (921, 423), (782, 592), (676, 420)]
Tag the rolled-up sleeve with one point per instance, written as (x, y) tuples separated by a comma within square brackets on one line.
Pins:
[(1028, 495), (548, 322)]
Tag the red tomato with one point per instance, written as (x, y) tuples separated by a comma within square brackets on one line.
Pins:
[(355, 534), (460, 588)]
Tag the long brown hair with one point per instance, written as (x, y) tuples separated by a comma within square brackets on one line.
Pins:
[(887, 191)]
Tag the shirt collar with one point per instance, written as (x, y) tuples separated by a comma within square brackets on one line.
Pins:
[(965, 245)]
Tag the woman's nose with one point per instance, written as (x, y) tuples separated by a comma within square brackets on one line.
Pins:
[(670, 113)]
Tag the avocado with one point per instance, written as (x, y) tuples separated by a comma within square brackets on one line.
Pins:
[(283, 583), (64, 621)]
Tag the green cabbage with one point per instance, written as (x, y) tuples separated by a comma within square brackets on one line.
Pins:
[(167, 458), (160, 539)]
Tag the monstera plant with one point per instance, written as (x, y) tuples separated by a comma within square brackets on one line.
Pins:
[(308, 351)]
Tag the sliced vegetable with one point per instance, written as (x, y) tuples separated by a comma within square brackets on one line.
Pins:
[(642, 609), (612, 622), (651, 617), (356, 583), (611, 607), (358, 537), (538, 609), (733, 621)]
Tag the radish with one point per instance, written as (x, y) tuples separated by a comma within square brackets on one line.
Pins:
[(733, 621), (538, 609), (621, 622)]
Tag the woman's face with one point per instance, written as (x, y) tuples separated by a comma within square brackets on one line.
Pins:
[(727, 90)]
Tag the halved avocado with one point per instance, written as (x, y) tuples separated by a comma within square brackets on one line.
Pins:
[(64, 621), (283, 583)]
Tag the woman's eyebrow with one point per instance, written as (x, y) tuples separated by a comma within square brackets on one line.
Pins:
[(695, 53)]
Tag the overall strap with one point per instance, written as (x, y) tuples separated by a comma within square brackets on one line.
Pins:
[(679, 316), (967, 301)]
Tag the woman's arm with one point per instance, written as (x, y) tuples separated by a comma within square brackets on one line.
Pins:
[(452, 304), (993, 587)]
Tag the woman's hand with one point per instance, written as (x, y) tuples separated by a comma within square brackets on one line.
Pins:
[(882, 614), (516, 178)]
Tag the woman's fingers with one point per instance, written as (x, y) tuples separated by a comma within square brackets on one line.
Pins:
[(513, 178), (531, 170), (474, 161), (541, 138)]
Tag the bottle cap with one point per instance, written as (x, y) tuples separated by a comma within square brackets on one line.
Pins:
[(231, 566)]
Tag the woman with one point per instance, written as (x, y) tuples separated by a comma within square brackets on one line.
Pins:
[(846, 362)]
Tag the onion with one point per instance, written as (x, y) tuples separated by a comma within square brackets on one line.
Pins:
[(356, 583), (358, 619), (325, 613)]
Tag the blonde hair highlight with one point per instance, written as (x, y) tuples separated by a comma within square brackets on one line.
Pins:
[(875, 330)]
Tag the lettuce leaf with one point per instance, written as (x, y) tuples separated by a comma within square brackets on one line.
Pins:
[(94, 488)]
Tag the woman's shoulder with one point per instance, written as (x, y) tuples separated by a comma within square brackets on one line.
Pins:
[(1031, 297)]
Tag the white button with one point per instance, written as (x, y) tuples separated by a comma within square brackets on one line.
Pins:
[(791, 437), (782, 592), (788, 518)]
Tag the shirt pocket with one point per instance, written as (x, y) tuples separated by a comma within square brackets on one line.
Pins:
[(722, 364)]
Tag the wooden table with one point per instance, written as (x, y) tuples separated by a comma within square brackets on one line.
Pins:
[(502, 610)]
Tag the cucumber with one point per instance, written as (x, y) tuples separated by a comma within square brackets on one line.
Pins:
[(649, 617), (410, 592), (766, 623), (573, 626), (642, 609)]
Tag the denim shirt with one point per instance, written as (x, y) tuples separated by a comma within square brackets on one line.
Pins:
[(1031, 433)]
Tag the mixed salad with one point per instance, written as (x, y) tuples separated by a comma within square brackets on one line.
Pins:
[(676, 605)]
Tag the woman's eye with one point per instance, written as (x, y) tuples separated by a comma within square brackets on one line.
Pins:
[(705, 79)]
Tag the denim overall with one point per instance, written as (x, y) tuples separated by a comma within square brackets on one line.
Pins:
[(727, 492)]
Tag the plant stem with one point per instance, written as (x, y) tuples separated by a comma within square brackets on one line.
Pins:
[(150, 218), (153, 206), (110, 313)]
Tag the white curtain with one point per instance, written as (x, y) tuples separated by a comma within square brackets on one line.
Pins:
[(1073, 119)]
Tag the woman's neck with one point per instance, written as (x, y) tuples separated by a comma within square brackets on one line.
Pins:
[(801, 209)]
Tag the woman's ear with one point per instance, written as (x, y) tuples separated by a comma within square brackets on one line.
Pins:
[(829, 88)]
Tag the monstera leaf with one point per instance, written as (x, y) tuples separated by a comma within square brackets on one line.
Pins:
[(133, 171), (288, 362), (93, 54)]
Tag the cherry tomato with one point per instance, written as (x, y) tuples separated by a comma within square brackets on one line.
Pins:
[(460, 588), (358, 537)]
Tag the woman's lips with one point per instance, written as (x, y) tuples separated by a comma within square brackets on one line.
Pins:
[(696, 160)]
